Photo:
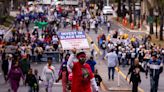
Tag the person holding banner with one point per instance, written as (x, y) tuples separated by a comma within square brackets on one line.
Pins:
[(82, 76)]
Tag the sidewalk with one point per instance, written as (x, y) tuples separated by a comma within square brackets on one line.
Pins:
[(143, 31)]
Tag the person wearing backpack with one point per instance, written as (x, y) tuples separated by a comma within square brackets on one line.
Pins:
[(48, 75), (155, 68)]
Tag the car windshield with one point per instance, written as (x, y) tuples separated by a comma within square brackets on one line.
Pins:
[(106, 8)]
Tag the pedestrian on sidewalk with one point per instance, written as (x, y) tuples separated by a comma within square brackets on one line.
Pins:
[(112, 59), (31, 81), (83, 77), (14, 76), (135, 70), (155, 68), (48, 75)]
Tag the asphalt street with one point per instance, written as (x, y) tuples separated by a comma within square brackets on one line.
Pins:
[(145, 84)]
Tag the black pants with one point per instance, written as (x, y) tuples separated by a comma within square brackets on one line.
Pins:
[(135, 87)]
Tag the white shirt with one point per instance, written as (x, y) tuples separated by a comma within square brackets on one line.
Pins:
[(112, 59), (10, 64), (48, 74)]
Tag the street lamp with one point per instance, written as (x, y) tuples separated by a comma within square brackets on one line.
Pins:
[(156, 20)]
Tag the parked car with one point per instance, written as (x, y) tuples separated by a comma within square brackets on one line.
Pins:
[(108, 10)]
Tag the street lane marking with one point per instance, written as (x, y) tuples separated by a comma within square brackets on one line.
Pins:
[(103, 88), (124, 76), (120, 72), (95, 46)]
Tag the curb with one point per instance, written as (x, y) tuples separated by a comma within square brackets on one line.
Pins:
[(127, 28), (119, 89)]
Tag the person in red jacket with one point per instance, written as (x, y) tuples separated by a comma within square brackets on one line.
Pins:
[(83, 77)]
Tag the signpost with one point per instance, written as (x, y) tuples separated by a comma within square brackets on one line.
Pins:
[(73, 39)]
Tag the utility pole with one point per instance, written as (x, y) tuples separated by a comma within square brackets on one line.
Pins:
[(107, 1)]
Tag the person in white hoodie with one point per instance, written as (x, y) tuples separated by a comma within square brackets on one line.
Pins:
[(48, 75)]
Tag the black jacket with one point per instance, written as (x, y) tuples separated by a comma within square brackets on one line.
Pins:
[(5, 65), (31, 80), (135, 73)]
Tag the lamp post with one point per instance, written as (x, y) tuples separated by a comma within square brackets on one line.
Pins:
[(156, 20)]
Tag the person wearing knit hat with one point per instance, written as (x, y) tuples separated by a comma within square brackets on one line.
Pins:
[(82, 75)]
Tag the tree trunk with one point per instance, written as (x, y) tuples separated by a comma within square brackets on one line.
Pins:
[(151, 22), (161, 26), (119, 8), (134, 14), (130, 11)]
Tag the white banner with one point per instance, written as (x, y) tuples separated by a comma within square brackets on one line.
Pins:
[(70, 40)]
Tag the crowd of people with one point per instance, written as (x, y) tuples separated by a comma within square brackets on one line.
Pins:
[(35, 31)]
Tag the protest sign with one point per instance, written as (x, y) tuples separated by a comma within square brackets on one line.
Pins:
[(74, 39)]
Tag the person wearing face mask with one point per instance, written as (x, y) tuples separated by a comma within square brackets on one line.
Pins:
[(83, 77), (155, 68), (48, 75)]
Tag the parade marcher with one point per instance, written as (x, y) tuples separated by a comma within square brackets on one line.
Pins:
[(155, 68), (55, 41), (135, 70), (6, 66), (91, 63), (103, 47), (133, 55), (141, 55), (38, 78), (108, 26), (97, 78), (123, 58), (48, 75), (112, 59), (92, 49), (63, 74), (82, 75), (14, 76), (31, 81), (84, 26)]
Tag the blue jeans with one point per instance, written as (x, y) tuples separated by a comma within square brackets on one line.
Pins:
[(109, 70), (154, 83)]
